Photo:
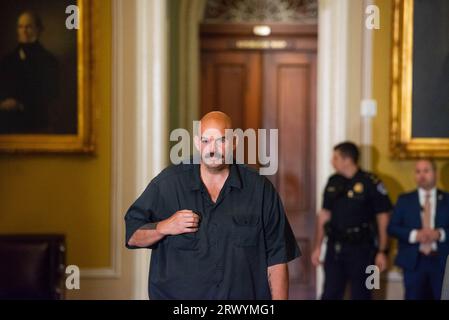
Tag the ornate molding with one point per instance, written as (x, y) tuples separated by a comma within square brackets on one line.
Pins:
[(244, 11)]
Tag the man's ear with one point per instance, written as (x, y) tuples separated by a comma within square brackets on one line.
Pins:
[(197, 142)]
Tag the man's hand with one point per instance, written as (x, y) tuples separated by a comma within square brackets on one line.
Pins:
[(9, 104), (433, 234), (427, 235), (316, 254), (182, 221), (381, 261), (422, 236)]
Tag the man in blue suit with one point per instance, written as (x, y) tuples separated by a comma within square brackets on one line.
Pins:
[(420, 222)]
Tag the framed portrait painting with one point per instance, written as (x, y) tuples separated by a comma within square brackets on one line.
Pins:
[(420, 79), (45, 77)]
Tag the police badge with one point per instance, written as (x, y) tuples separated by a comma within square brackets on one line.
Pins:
[(358, 187)]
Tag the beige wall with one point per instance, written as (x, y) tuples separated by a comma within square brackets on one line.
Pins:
[(68, 194), (85, 197)]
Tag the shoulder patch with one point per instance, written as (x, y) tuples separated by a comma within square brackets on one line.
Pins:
[(382, 189)]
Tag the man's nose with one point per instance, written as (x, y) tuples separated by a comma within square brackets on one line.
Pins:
[(213, 149), (210, 146)]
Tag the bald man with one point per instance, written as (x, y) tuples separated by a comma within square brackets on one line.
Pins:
[(420, 222), (217, 230), (29, 79)]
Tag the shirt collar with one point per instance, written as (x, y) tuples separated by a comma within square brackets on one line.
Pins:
[(422, 192), (234, 179), (357, 174), (195, 182)]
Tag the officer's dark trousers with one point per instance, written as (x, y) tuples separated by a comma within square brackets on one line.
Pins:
[(426, 280), (347, 266)]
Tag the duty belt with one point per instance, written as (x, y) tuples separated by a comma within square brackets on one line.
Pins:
[(363, 234)]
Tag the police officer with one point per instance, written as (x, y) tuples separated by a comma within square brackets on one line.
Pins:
[(354, 218)]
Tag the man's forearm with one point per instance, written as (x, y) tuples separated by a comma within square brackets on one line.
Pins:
[(278, 281), (145, 237), (319, 235), (382, 223), (322, 218)]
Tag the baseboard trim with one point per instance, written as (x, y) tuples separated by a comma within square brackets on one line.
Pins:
[(99, 273)]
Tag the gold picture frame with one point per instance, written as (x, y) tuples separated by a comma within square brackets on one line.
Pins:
[(83, 141), (402, 143)]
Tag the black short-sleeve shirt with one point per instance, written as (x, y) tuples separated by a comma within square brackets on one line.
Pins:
[(355, 201), (239, 236)]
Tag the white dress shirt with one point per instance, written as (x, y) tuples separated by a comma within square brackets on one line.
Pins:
[(433, 210)]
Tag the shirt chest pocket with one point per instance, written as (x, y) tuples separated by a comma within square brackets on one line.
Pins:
[(185, 241), (246, 230)]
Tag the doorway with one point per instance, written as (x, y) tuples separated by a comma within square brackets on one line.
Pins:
[(270, 82)]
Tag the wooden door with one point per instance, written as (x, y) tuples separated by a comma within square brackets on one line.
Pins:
[(289, 106), (231, 82), (272, 89)]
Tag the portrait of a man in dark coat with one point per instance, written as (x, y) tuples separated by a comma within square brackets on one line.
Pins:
[(29, 81)]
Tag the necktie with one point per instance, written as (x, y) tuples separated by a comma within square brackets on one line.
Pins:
[(426, 248)]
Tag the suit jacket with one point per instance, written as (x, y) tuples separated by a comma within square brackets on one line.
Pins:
[(407, 216)]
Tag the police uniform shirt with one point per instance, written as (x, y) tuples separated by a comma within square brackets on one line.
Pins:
[(355, 201), (239, 236)]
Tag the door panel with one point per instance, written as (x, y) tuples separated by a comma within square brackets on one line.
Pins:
[(288, 105), (230, 82)]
